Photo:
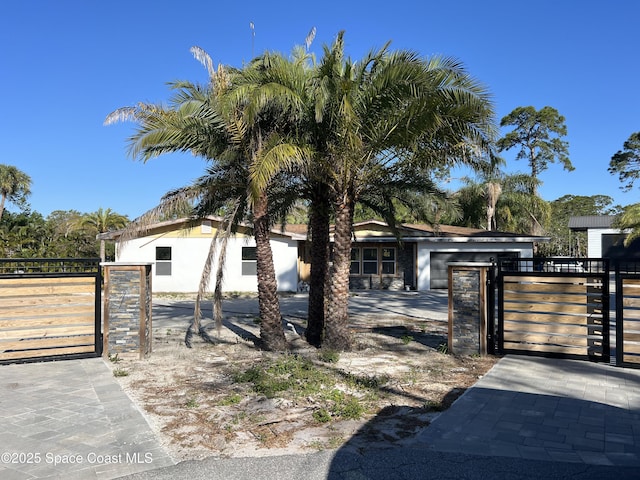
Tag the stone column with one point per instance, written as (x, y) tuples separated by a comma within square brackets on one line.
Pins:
[(468, 308), (127, 323)]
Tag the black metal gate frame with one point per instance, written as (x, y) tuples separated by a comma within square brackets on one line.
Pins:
[(623, 270), (59, 268), (592, 267)]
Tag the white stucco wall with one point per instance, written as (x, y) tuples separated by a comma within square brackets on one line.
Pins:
[(594, 240), (424, 250), (189, 255)]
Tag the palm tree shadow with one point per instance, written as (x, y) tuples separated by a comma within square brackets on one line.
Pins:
[(243, 333), (432, 340)]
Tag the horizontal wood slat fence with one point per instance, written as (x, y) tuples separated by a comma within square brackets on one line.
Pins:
[(560, 313), (628, 314), (49, 308)]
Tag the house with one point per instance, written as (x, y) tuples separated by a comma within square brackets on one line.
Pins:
[(603, 239), (178, 250)]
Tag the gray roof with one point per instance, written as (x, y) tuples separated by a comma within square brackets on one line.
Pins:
[(591, 221)]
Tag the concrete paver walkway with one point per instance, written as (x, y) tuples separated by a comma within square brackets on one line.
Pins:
[(70, 419), (546, 409)]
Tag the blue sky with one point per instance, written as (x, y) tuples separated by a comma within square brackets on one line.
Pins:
[(65, 65)]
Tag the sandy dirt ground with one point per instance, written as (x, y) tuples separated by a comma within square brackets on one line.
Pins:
[(399, 373)]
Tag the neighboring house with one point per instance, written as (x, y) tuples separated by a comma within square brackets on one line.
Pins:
[(178, 251), (603, 240)]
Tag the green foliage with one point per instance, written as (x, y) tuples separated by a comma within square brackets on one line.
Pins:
[(630, 219), (328, 355), (538, 135), (15, 187), (321, 415), (232, 399), (287, 373), (406, 339), (291, 376), (120, 372), (192, 402), (62, 234), (626, 162), (564, 242)]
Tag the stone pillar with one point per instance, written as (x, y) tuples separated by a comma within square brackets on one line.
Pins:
[(468, 308), (127, 317)]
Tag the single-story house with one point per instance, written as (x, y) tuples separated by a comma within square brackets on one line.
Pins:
[(603, 240), (178, 250)]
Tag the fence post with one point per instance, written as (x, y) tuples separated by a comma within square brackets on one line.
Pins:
[(468, 307), (127, 308)]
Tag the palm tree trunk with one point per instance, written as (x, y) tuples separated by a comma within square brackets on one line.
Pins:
[(319, 223), (2, 200), (337, 334), (271, 331)]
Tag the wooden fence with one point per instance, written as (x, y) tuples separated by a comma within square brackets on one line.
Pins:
[(49, 313), (628, 314), (554, 312)]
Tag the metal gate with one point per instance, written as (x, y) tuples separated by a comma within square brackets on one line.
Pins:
[(628, 313), (49, 309), (554, 307)]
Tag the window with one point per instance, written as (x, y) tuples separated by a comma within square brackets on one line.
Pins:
[(389, 261), (249, 261), (369, 261), (163, 260), (205, 227), (355, 261)]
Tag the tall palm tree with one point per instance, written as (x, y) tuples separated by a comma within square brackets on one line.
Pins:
[(504, 202), (391, 111), (237, 119), (15, 186), (102, 221)]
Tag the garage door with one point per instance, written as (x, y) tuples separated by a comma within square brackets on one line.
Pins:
[(439, 261)]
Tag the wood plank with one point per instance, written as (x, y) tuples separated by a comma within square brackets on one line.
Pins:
[(547, 328), (541, 307), (48, 301), (48, 343), (546, 288), (630, 315), (631, 358), (46, 353), (565, 340), (30, 281), (631, 282), (631, 348), (50, 331), (550, 297), (542, 279), (44, 322), (53, 289), (633, 302), (46, 311), (553, 318), (549, 349), (630, 337)]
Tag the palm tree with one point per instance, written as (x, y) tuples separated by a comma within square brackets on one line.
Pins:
[(236, 120), (102, 221), (504, 202), (15, 186), (390, 111)]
